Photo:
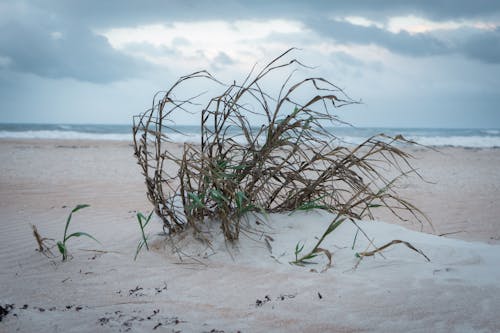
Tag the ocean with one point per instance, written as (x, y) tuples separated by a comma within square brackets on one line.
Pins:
[(471, 138)]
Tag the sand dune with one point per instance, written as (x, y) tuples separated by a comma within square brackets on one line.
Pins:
[(181, 285)]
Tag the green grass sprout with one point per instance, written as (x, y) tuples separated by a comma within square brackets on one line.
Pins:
[(143, 222), (61, 245)]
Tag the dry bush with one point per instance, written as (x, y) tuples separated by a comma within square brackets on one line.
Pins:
[(291, 162)]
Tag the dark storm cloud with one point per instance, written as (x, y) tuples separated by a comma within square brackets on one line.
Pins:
[(116, 12), (35, 44), (315, 14), (480, 45), (483, 46), (75, 54), (448, 9), (402, 42), (30, 29)]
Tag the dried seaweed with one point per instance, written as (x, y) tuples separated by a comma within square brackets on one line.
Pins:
[(393, 242)]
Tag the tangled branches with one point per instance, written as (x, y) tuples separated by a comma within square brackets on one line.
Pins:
[(290, 162)]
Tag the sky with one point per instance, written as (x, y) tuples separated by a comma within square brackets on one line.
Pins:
[(426, 63)]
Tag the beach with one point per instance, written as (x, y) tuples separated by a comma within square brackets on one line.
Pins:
[(180, 286)]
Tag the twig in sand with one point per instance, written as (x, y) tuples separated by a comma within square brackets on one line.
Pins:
[(451, 233), (42, 243), (99, 251), (328, 254), (393, 242), (360, 257)]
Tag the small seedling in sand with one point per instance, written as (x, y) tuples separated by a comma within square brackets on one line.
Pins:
[(298, 249), (337, 221), (61, 245), (143, 222), (302, 259)]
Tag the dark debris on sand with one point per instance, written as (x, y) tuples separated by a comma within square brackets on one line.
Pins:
[(267, 299), (125, 322), (5, 309)]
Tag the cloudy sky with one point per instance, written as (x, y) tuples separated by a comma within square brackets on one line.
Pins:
[(412, 63)]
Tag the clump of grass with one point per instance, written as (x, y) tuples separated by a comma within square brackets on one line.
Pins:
[(143, 222), (290, 162), (61, 245)]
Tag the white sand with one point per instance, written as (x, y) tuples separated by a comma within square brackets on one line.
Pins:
[(218, 289)]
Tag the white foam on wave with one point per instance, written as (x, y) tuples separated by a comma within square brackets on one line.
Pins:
[(471, 141), (64, 135), (187, 137), (459, 141), (491, 131)]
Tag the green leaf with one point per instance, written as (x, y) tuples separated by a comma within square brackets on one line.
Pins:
[(141, 218), (313, 204), (62, 248), (334, 225), (78, 207), (374, 205), (237, 167), (299, 248), (310, 206), (246, 209), (144, 241), (222, 164), (139, 248), (240, 198), (196, 201), (195, 198), (354, 241), (310, 256), (79, 234), (149, 218), (217, 195)]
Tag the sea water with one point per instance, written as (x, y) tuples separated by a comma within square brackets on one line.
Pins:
[(472, 138)]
